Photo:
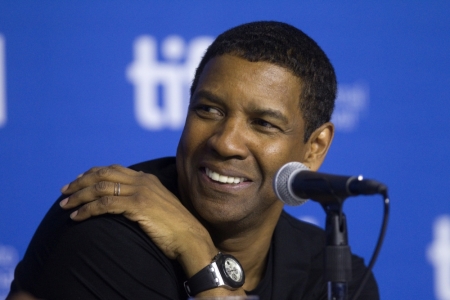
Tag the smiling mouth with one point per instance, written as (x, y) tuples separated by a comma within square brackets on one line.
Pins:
[(223, 178)]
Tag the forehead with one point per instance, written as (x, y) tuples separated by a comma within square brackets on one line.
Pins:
[(253, 83)]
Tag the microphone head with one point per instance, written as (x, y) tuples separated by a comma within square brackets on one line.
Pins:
[(282, 183)]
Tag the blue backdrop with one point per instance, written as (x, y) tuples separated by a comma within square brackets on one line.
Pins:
[(86, 83)]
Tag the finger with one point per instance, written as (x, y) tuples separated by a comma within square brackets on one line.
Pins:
[(114, 166), (114, 173), (91, 170), (96, 191), (103, 205)]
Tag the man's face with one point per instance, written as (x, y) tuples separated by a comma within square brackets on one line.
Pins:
[(243, 124)]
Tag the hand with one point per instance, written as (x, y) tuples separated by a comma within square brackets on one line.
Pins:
[(143, 199)]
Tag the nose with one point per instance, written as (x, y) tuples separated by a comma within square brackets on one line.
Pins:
[(230, 139)]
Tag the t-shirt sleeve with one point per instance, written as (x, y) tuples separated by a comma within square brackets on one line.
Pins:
[(105, 257)]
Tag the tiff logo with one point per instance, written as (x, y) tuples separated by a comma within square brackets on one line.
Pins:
[(8, 261), (2, 82), (161, 88), (351, 102), (439, 256)]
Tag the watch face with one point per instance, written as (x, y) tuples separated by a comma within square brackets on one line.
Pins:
[(233, 269)]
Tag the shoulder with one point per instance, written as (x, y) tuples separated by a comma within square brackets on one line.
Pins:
[(155, 165), (304, 242), (164, 168), (289, 227), (299, 262), (297, 259), (107, 255)]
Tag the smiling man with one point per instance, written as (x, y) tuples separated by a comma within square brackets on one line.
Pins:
[(206, 222)]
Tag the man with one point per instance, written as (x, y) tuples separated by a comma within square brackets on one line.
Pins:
[(262, 96)]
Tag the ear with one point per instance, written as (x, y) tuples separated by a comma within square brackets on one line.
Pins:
[(318, 145)]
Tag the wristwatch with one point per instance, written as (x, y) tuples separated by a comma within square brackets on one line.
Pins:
[(223, 271)]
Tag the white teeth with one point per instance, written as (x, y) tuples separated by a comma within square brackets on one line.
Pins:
[(222, 178)]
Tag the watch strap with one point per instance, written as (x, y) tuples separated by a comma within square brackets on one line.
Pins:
[(205, 279)]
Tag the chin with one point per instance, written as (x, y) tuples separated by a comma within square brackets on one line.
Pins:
[(218, 211)]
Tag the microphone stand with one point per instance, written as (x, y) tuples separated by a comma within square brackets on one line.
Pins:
[(294, 187), (338, 264)]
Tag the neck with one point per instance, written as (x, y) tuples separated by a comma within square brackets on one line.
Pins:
[(249, 244), (248, 240)]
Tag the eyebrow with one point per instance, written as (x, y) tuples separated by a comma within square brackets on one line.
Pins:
[(262, 112), (271, 113), (208, 95)]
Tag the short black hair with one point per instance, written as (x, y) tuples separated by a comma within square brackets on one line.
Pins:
[(286, 46)]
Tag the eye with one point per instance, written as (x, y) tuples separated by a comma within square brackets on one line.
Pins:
[(264, 126), (263, 123), (207, 111)]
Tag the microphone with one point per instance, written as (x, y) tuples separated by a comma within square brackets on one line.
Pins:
[(294, 184)]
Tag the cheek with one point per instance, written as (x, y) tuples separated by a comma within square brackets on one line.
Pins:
[(274, 149), (192, 143), (188, 138), (186, 147), (274, 155), (283, 150)]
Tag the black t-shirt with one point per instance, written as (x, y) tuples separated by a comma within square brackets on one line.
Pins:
[(110, 257)]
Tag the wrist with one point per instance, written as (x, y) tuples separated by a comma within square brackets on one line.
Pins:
[(196, 256), (224, 271)]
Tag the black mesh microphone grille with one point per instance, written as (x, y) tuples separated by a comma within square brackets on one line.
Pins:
[(281, 183)]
